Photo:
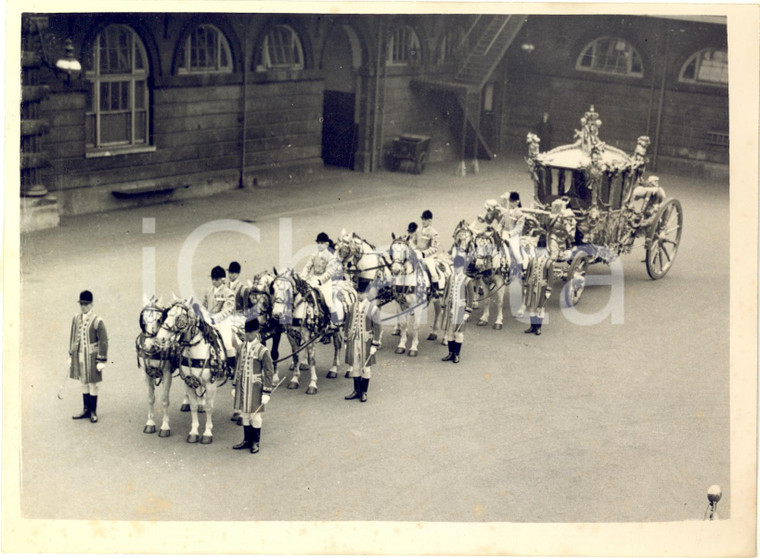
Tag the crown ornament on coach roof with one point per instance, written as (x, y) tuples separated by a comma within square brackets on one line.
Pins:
[(589, 132)]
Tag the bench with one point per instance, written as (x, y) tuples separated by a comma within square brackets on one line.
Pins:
[(136, 191)]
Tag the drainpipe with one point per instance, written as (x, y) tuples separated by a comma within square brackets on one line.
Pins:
[(661, 103), (244, 103), (374, 156)]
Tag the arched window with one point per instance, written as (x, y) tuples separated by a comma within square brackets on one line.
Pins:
[(708, 66), (117, 105), (449, 42), (281, 50), (610, 55), (404, 47), (204, 51)]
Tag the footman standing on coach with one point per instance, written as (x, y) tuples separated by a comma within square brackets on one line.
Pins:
[(88, 353), (252, 384)]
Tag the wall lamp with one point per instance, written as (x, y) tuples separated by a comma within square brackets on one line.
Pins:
[(66, 64)]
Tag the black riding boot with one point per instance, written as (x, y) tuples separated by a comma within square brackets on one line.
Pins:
[(537, 331), (93, 408), (247, 438), (86, 410), (457, 348), (436, 289), (357, 389), (532, 328), (449, 356), (256, 440), (364, 387)]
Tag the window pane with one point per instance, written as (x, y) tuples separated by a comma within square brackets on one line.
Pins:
[(115, 128), (140, 89), (141, 128), (223, 54), (124, 103), (105, 96), (89, 127)]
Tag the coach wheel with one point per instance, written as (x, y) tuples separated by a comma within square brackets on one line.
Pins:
[(664, 238), (576, 279), (419, 165)]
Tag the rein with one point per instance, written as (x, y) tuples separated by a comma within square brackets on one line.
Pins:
[(302, 347)]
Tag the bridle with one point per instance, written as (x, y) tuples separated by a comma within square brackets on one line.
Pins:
[(152, 317)]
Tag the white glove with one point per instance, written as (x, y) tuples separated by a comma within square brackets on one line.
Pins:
[(69, 362), (466, 316), (372, 350), (100, 366), (233, 393), (264, 398)]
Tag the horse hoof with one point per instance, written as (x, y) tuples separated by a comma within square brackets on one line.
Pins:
[(192, 438), (185, 408), (497, 326), (239, 421), (413, 353), (396, 334), (332, 374), (347, 375), (400, 351), (150, 429), (482, 322), (201, 410), (293, 385), (206, 439), (311, 390), (303, 366), (164, 433), (235, 417), (292, 367), (432, 337), (444, 342)]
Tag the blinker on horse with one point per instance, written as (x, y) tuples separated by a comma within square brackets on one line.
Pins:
[(202, 361)]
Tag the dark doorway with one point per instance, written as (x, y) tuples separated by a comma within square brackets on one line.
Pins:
[(339, 139)]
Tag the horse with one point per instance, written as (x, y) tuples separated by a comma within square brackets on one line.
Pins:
[(202, 360), (158, 364), (258, 304), (299, 309), (362, 263), (491, 265), (411, 288)]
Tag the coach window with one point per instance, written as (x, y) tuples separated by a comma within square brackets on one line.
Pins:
[(403, 47), (117, 113), (205, 51), (706, 67), (281, 50), (610, 55)]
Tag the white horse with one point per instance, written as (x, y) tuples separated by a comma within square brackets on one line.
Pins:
[(157, 363), (362, 263), (492, 264), (300, 311), (411, 284), (259, 303), (202, 360)]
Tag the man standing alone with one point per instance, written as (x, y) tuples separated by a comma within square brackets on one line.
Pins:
[(88, 353)]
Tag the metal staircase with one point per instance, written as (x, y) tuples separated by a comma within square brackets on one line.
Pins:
[(475, 59)]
